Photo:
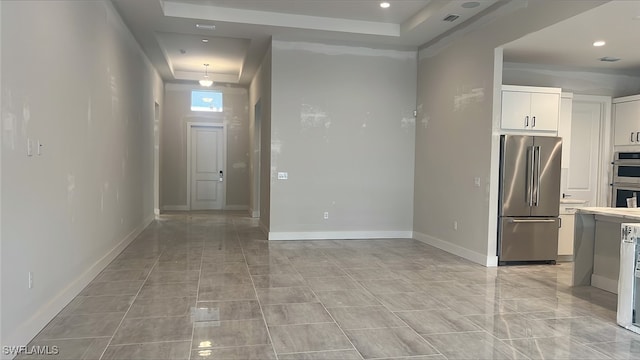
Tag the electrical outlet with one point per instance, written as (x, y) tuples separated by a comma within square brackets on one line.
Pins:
[(30, 280), (326, 215), (476, 181), (283, 175), (455, 225)]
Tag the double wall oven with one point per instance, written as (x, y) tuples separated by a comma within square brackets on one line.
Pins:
[(626, 178)]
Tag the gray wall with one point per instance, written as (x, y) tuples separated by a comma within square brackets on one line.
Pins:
[(343, 129), (576, 81), (177, 113), (74, 78), (260, 90), (455, 139)]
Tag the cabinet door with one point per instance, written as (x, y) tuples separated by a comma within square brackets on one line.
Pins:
[(516, 107), (564, 130), (545, 111), (565, 235), (627, 123)]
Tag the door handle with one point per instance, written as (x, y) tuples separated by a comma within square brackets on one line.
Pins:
[(533, 122), (526, 121), (632, 136), (221, 175), (531, 169), (537, 183), (531, 221), (638, 136)]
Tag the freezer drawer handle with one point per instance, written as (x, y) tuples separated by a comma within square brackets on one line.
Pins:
[(520, 221)]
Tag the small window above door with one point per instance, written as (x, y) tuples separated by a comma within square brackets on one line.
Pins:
[(202, 100)]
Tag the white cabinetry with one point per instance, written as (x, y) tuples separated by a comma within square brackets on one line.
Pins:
[(564, 127), (527, 108), (626, 112), (566, 231)]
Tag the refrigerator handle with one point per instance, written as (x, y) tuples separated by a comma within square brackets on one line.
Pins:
[(537, 156), (531, 169)]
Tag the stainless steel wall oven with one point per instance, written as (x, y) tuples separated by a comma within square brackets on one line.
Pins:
[(626, 178)]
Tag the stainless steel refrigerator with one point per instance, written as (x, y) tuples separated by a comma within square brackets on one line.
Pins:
[(529, 198)]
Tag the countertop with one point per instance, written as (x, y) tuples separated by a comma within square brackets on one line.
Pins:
[(624, 213)]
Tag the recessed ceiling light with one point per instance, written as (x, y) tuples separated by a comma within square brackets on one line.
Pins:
[(205, 26), (384, 5), (599, 43), (205, 40), (470, 4)]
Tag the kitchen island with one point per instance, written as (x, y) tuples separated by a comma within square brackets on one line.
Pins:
[(596, 246)]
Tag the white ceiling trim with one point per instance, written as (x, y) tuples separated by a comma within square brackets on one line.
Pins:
[(216, 77), (255, 17), (327, 49)]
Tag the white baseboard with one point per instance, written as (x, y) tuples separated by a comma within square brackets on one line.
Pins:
[(482, 259), (339, 235), (604, 283), (175, 208), (236, 207), (254, 213), (31, 327)]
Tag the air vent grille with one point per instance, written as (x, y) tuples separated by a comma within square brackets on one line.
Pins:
[(609, 59), (451, 17)]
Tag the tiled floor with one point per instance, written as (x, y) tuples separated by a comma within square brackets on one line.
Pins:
[(208, 286)]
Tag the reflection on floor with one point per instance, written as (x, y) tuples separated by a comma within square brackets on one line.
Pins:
[(209, 286)]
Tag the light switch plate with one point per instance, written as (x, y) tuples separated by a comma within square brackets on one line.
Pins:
[(283, 175)]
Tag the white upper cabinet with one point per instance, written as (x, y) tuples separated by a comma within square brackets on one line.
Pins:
[(527, 108), (626, 112)]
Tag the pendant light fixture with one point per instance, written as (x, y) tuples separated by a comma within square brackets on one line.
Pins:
[(206, 81)]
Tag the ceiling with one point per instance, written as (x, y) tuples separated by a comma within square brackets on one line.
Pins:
[(167, 30), (570, 42)]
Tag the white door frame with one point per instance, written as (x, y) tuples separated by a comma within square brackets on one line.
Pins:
[(257, 156), (603, 192), (190, 126)]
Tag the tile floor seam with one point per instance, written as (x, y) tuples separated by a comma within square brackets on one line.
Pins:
[(193, 326), (311, 323), (255, 291), (130, 306), (389, 310), (334, 320)]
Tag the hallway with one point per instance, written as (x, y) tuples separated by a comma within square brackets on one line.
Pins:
[(209, 286)]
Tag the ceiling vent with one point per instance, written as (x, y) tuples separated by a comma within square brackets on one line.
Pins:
[(451, 17), (609, 59)]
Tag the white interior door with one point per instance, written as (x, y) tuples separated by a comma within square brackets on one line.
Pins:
[(207, 168), (582, 175)]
